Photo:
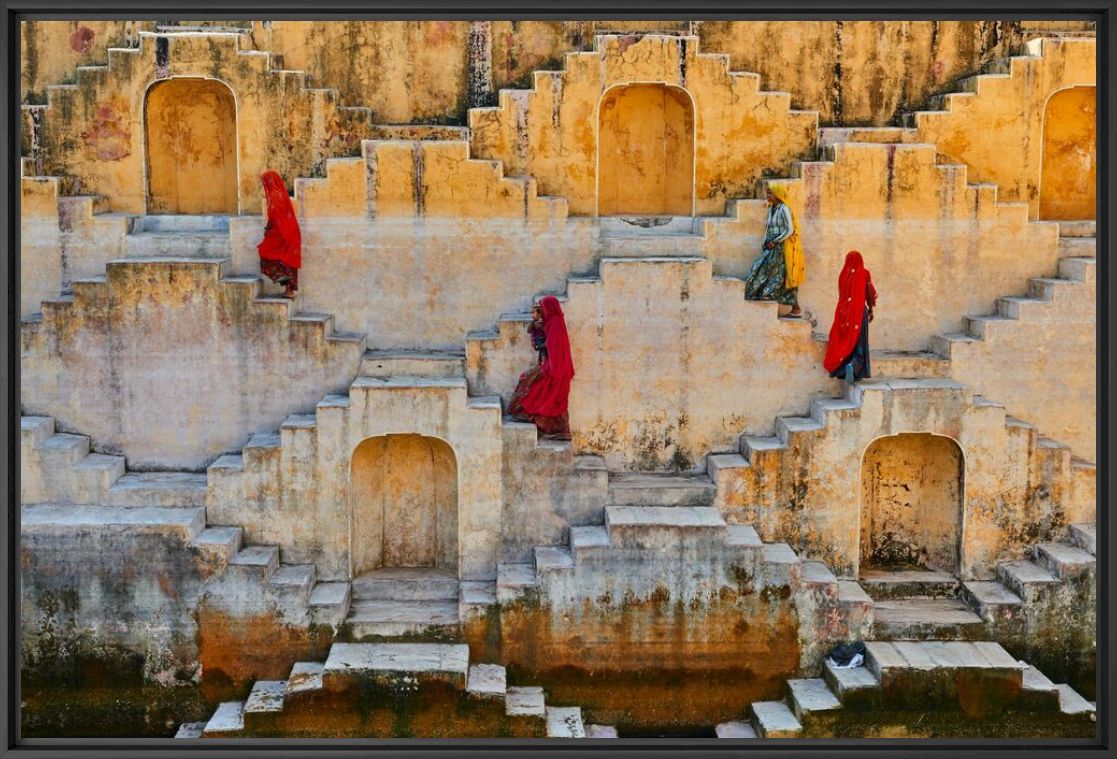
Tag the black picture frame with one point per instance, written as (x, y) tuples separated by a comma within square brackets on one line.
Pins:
[(1102, 12)]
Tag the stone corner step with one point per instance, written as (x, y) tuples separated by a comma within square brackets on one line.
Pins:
[(190, 730), (774, 719), (229, 718), (735, 730), (1070, 702), (266, 696), (601, 731), (524, 701), (1085, 536), (305, 676), (565, 722), (487, 681), (812, 695)]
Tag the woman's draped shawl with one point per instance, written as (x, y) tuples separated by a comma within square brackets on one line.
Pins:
[(282, 240), (855, 286), (550, 393), (795, 265)]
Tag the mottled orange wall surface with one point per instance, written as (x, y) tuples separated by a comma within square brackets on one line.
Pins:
[(646, 151), (911, 502), (403, 492), (191, 131), (1068, 187)]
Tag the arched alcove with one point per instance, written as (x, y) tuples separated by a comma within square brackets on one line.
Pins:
[(912, 491), (1068, 185), (190, 130), (403, 496), (646, 151)]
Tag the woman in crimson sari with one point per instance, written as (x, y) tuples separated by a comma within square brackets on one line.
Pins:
[(847, 352), (543, 391), (281, 249)]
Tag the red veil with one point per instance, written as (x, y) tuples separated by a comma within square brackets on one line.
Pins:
[(855, 285), (550, 393), (282, 240)]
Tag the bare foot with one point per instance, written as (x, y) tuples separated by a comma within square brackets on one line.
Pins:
[(795, 313)]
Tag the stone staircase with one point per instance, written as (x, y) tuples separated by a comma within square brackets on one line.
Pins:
[(437, 686), (738, 476), (917, 677)]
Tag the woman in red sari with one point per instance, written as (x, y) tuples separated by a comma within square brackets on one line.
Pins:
[(543, 391), (281, 249), (847, 352)]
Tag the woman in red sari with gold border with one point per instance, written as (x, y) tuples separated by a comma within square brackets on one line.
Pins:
[(543, 392), (281, 249)]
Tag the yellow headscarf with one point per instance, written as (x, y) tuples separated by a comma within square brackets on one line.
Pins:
[(795, 265)]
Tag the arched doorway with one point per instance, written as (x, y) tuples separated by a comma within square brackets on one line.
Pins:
[(190, 130), (646, 151), (1068, 185), (403, 496), (912, 493)]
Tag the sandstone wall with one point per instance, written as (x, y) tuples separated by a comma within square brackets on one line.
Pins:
[(859, 72), (169, 365)]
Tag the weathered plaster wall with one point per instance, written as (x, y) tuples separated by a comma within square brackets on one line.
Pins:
[(94, 130), (1016, 490), (1068, 183), (1043, 366), (293, 489), (911, 502), (191, 140), (550, 131), (403, 492), (998, 132), (40, 247), (938, 248), (169, 365)]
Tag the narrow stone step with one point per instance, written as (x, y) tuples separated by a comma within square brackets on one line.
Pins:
[(487, 681), (221, 542), (774, 719), (990, 599), (266, 696), (587, 542), (1064, 561), (925, 618), (1078, 268), (296, 578), (883, 584), (565, 722), (660, 526), (159, 489), (229, 463), (513, 581), (330, 600), (849, 682), (1082, 228), (474, 593), (262, 560), (184, 524), (1026, 579), (811, 697), (190, 730), (417, 363), (34, 430), (789, 426), (552, 559), (908, 364), (406, 584), (176, 223), (305, 676), (524, 701), (753, 447), (227, 720), (656, 489), (601, 731), (735, 730), (1038, 691), (1070, 702), (438, 661), (393, 618), (1084, 536), (100, 471), (64, 450)]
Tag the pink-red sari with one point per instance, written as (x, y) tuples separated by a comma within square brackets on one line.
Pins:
[(281, 249), (543, 392)]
